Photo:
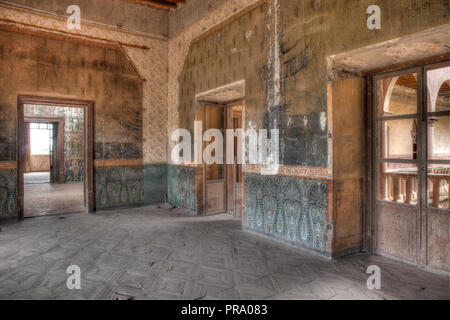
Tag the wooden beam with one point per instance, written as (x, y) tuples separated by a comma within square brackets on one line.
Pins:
[(163, 4), (60, 34)]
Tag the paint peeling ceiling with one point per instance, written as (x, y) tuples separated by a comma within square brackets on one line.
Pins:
[(422, 45)]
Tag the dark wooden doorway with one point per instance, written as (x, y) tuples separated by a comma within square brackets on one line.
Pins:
[(88, 106)]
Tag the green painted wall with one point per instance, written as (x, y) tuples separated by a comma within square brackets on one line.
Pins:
[(173, 190), (155, 184), (119, 187)]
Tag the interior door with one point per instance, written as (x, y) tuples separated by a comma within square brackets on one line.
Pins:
[(397, 100), (412, 164), (214, 175)]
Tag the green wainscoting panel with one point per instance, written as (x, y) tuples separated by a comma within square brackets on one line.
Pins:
[(181, 187), (155, 183), (119, 186), (290, 209), (8, 194)]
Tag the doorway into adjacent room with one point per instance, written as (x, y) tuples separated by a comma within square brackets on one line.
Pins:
[(221, 185), (223, 182), (54, 170)]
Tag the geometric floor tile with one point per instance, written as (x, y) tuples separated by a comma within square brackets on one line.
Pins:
[(154, 253)]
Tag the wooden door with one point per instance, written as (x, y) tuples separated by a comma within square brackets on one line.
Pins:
[(214, 175), (411, 131)]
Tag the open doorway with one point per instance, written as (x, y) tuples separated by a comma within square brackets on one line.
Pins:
[(220, 186), (55, 156), (44, 149), (222, 183)]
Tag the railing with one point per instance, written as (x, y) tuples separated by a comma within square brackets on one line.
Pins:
[(439, 180), (401, 186)]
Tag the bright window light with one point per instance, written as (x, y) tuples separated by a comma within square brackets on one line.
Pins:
[(40, 141)]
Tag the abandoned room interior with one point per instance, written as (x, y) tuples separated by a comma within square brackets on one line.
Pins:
[(350, 178)]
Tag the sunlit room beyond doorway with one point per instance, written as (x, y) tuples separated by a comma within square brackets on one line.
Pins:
[(54, 161)]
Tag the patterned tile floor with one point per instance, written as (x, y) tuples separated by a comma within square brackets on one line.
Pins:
[(154, 253), (44, 199), (36, 177)]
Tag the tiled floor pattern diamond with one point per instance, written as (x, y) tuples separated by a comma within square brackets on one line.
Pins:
[(153, 253)]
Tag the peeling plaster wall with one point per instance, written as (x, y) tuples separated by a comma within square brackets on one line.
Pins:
[(114, 13), (151, 63), (226, 56), (178, 48), (150, 26), (48, 67), (283, 57), (189, 13), (290, 209), (310, 31), (281, 50)]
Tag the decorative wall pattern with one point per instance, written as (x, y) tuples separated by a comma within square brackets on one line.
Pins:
[(8, 194), (188, 197), (181, 186), (151, 63), (119, 186), (73, 136), (178, 49), (49, 66), (291, 171), (289, 209)]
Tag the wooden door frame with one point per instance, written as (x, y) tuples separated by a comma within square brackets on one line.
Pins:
[(370, 186), (230, 168), (225, 105), (60, 146), (88, 107)]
